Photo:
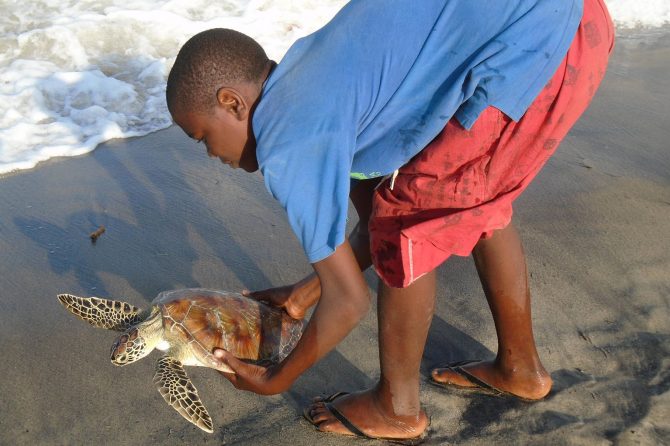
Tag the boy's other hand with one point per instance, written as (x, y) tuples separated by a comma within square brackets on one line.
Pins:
[(277, 297), (294, 299)]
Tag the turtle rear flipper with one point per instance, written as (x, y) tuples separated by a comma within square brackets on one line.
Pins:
[(178, 391), (102, 313)]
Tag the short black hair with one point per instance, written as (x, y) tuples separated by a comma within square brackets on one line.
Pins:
[(208, 61)]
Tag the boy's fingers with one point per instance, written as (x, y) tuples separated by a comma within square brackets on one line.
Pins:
[(249, 293), (223, 357), (229, 360), (262, 296)]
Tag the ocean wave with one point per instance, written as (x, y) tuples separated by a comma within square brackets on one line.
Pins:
[(75, 74)]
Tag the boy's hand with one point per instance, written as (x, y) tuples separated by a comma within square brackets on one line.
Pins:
[(294, 299), (257, 379), (277, 297), (344, 302)]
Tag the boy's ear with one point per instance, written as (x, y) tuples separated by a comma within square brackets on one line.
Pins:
[(232, 101)]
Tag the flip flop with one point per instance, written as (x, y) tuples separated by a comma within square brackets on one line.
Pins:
[(356, 431), (479, 385)]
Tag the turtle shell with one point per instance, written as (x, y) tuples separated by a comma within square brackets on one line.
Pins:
[(206, 319)]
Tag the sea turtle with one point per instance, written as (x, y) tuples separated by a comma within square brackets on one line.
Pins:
[(187, 325)]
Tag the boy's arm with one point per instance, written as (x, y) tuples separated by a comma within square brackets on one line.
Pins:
[(296, 299), (344, 301)]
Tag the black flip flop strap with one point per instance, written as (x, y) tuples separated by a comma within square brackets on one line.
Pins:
[(451, 365), (334, 396), (346, 423), (476, 381)]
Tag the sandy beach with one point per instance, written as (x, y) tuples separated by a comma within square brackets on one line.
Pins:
[(595, 225)]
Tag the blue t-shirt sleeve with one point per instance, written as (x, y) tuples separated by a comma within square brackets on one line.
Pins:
[(310, 179)]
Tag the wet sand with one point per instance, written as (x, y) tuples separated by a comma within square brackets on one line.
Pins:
[(595, 225)]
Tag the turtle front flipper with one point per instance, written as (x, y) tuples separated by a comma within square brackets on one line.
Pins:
[(177, 390), (102, 313)]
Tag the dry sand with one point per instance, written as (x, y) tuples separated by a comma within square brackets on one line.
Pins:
[(596, 227)]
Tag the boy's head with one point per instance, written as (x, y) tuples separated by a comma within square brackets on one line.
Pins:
[(212, 90)]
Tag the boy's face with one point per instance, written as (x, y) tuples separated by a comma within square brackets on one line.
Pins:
[(225, 136)]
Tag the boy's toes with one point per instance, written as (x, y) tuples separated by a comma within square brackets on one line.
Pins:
[(318, 413), (324, 420), (448, 376)]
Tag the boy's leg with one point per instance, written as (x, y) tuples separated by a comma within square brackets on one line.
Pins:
[(516, 369), (359, 239), (392, 407)]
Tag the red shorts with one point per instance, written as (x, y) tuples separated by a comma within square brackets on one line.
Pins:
[(460, 188)]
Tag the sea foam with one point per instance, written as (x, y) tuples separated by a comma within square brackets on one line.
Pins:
[(77, 73), (629, 14)]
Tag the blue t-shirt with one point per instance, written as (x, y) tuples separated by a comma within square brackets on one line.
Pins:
[(365, 93)]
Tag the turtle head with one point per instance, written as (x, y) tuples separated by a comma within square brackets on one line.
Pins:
[(139, 340), (129, 347)]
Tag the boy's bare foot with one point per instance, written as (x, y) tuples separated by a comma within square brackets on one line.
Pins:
[(526, 383), (365, 411)]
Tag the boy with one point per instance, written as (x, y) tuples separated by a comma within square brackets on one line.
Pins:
[(432, 117)]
